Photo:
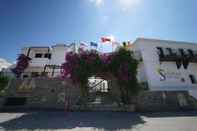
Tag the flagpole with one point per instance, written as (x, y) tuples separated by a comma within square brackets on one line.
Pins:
[(112, 46), (90, 46), (101, 47)]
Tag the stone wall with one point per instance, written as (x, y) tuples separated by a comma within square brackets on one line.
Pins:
[(164, 101), (41, 93), (47, 93)]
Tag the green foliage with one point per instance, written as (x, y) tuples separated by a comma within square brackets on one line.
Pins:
[(124, 67), (121, 64), (3, 82)]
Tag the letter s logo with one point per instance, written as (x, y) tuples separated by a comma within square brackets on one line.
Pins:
[(162, 74)]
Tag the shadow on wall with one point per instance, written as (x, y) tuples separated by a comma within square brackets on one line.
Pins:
[(61, 120)]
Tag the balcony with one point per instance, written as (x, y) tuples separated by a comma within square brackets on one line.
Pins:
[(180, 56), (193, 57), (169, 55), (39, 62)]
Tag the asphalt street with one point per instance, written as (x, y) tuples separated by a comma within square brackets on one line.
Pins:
[(98, 121)]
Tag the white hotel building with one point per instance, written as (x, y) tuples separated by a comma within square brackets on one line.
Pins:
[(168, 65), (165, 66), (46, 59)]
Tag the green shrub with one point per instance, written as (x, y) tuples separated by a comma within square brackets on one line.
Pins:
[(3, 82)]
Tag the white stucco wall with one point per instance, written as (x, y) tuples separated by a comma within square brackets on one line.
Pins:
[(37, 62), (147, 47), (58, 53)]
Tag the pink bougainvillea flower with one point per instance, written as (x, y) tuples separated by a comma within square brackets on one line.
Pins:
[(21, 65)]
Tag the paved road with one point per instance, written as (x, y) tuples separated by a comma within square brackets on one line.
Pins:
[(99, 121)]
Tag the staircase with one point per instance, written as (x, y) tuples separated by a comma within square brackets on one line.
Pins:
[(99, 98)]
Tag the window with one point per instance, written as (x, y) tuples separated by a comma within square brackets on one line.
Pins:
[(38, 55), (191, 53), (182, 52), (25, 76), (182, 80), (160, 51), (169, 50), (178, 64), (47, 55), (34, 74), (192, 78)]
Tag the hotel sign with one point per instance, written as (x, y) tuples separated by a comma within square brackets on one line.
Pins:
[(168, 75)]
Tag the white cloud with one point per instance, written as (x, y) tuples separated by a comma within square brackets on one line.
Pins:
[(97, 3), (4, 64), (126, 5)]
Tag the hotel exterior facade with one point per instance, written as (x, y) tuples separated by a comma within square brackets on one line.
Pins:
[(165, 66)]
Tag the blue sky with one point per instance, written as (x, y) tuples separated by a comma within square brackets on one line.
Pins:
[(45, 22)]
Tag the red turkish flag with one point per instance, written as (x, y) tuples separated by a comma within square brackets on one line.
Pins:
[(106, 39)]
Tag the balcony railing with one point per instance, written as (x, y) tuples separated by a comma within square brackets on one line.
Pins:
[(169, 57), (193, 57), (180, 56), (177, 55)]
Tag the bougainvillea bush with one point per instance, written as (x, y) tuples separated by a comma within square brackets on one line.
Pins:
[(21, 65), (80, 66)]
